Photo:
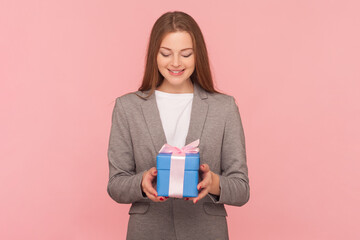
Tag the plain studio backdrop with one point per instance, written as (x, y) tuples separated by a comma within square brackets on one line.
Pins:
[(293, 67)]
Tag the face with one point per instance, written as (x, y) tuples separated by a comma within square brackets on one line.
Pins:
[(176, 54)]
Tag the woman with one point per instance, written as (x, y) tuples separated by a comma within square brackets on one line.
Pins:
[(177, 104)]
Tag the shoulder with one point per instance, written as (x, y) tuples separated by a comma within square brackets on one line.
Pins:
[(129, 99), (220, 97), (222, 101), (222, 106)]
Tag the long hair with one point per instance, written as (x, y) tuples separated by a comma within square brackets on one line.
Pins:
[(172, 22)]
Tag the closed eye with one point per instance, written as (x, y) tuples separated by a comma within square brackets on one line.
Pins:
[(169, 55)]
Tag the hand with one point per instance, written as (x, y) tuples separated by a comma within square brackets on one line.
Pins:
[(148, 188), (209, 183)]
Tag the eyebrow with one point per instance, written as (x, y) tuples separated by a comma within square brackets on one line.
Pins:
[(180, 50)]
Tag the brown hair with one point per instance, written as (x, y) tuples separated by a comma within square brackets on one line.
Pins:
[(171, 22)]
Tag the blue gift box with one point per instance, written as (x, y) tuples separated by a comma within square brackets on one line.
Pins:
[(191, 174)]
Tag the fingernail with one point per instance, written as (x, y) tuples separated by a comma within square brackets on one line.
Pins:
[(187, 198), (196, 201), (155, 172), (161, 199), (199, 187), (166, 197)]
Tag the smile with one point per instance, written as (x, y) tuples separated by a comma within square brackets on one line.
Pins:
[(176, 73)]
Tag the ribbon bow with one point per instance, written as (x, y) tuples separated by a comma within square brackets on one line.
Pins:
[(190, 148)]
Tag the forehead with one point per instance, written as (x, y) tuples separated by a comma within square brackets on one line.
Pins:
[(177, 41)]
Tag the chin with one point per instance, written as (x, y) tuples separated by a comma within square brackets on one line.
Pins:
[(175, 82)]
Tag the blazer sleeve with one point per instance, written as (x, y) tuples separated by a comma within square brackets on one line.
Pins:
[(234, 180), (124, 185)]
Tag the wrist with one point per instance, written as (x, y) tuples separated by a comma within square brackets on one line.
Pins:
[(141, 185), (142, 180), (215, 185)]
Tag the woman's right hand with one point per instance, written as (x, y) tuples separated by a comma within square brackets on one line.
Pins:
[(148, 188)]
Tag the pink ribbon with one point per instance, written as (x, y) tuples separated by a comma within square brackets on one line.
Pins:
[(177, 166), (190, 148)]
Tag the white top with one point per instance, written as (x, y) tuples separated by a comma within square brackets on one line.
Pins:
[(175, 112)]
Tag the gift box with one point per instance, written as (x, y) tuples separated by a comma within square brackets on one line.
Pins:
[(178, 171)]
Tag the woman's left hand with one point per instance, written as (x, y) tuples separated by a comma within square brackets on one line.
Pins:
[(209, 183)]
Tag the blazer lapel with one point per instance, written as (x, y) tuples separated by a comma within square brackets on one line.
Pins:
[(153, 121), (198, 114), (151, 114)]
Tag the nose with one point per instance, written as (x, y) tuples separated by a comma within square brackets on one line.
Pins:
[(176, 61)]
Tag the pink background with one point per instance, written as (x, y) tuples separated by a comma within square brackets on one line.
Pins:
[(293, 67)]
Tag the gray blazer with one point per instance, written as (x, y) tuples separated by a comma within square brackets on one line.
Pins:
[(136, 137)]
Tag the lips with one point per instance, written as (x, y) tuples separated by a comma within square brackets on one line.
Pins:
[(178, 73)]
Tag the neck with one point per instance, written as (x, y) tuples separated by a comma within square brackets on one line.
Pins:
[(186, 87)]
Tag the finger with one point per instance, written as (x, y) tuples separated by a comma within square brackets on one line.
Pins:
[(149, 188), (152, 191), (204, 168), (162, 199), (205, 182), (201, 195), (151, 197), (153, 171), (151, 174)]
